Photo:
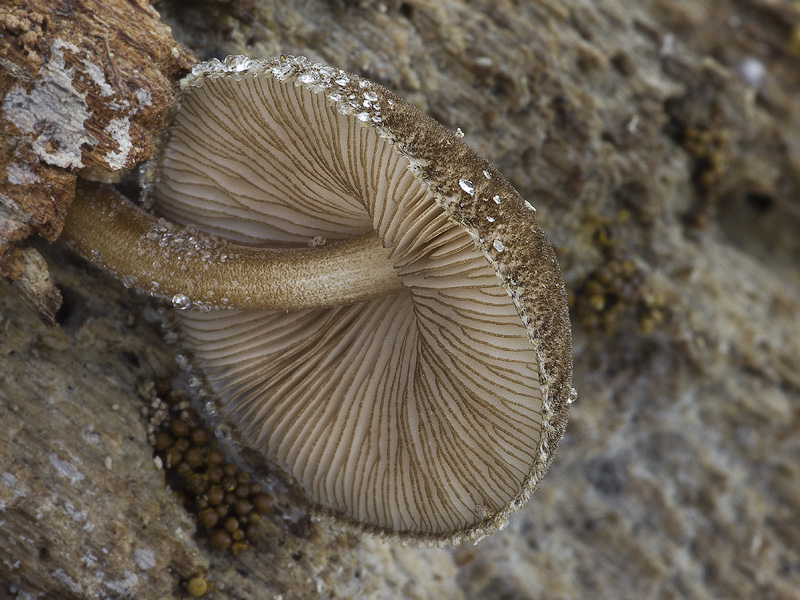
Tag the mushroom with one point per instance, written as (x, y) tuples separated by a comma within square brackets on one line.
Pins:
[(425, 399)]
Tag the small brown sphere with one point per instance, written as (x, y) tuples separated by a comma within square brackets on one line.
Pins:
[(198, 436), (184, 470), (238, 548), (263, 503), (221, 539), (222, 510), (179, 428), (197, 586), (162, 441), (215, 473), (228, 483), (174, 457), (194, 457), (182, 444), (242, 490), (252, 532), (215, 456), (230, 469), (197, 484), (243, 506), (209, 518), (238, 535), (231, 524), (215, 495)]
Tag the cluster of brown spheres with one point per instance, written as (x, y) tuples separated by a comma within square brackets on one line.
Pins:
[(227, 504), (614, 286)]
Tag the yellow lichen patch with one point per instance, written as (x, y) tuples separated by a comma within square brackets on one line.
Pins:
[(710, 147), (617, 285)]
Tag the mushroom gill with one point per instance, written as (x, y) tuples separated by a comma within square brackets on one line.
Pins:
[(430, 412)]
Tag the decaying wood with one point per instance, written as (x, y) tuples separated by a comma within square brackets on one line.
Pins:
[(82, 84)]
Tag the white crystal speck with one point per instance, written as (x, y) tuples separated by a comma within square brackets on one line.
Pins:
[(498, 245), (309, 77), (467, 186), (237, 63), (181, 301)]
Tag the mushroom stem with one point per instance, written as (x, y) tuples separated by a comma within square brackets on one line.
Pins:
[(197, 269)]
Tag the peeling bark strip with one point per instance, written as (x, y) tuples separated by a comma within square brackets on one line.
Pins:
[(83, 83)]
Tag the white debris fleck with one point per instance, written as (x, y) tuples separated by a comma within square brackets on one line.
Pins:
[(72, 585), (125, 586), (20, 173), (52, 112), (371, 96), (496, 199), (144, 559), (467, 186), (752, 71), (459, 134), (490, 219), (487, 174), (98, 77), (77, 515), (8, 479), (667, 45), (530, 206), (119, 130), (363, 117), (498, 245), (89, 559), (89, 435), (65, 469), (144, 97)]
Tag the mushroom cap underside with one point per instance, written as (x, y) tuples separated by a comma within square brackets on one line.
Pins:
[(430, 413)]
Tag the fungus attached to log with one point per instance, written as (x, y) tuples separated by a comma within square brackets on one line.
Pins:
[(428, 404)]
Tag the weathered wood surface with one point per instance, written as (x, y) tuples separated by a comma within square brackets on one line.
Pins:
[(660, 142), (83, 85)]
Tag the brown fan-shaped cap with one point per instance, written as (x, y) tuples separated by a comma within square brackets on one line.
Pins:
[(430, 413)]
